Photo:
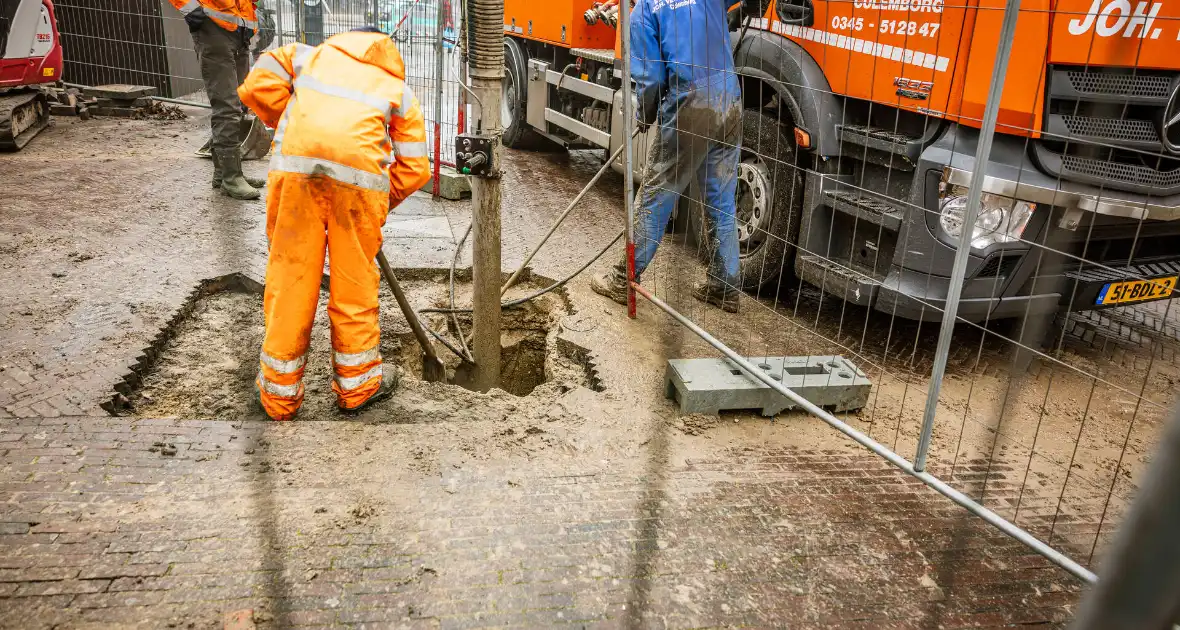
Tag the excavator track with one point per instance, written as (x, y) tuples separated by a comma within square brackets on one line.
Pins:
[(22, 115)]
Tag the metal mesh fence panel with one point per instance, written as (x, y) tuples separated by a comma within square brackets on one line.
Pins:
[(860, 129), (147, 42)]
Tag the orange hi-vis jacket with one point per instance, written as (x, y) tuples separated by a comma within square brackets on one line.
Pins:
[(228, 14), (342, 109), (350, 143)]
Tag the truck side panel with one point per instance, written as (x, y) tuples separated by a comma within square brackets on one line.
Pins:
[(556, 22), (1022, 105), (899, 53)]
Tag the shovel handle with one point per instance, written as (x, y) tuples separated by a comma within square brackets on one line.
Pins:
[(411, 316)]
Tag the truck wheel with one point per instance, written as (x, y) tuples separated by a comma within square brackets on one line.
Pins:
[(769, 201), (513, 99)]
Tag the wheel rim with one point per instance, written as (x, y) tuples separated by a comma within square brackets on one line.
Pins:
[(507, 100), (754, 207)]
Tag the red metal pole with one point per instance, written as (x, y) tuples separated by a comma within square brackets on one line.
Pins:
[(437, 159), (630, 276)]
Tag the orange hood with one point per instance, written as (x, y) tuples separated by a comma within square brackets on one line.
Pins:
[(374, 49)]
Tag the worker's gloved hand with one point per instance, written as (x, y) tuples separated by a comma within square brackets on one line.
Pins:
[(649, 106), (247, 35), (195, 19)]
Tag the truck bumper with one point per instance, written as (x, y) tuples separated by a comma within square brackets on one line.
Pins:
[(1080, 239)]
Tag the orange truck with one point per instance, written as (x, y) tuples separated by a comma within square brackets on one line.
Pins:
[(860, 127)]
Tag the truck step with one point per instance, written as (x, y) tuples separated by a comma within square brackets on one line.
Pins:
[(601, 55), (836, 278), (866, 208), (892, 144)]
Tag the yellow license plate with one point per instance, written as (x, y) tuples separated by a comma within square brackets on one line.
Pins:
[(1136, 290)]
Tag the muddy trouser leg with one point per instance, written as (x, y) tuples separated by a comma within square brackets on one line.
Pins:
[(296, 233), (719, 174), (241, 69), (354, 238), (676, 156), (217, 54)]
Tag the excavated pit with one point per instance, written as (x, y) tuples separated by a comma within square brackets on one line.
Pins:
[(204, 362)]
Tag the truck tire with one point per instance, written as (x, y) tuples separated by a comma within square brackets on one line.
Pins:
[(513, 100), (769, 204), (769, 201)]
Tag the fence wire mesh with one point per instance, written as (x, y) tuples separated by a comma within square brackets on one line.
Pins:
[(859, 125), (146, 42)]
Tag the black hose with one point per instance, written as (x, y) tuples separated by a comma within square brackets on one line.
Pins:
[(454, 262), (552, 287)]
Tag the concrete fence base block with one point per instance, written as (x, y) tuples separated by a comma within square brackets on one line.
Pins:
[(715, 385), (452, 185)]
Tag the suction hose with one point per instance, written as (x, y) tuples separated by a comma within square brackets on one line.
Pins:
[(487, 40)]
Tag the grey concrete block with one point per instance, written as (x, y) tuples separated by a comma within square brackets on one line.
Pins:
[(715, 385), (120, 91), (452, 185)]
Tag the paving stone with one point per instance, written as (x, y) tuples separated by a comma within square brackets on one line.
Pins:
[(120, 91)]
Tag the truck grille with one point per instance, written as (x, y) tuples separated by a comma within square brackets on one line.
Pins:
[(1096, 82), (1102, 127)]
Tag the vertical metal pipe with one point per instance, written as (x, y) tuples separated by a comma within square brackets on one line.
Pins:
[(300, 16), (487, 73), (438, 98), (628, 147), (279, 21), (959, 269)]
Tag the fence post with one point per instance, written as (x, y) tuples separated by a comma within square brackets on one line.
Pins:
[(628, 147), (438, 98), (279, 21), (974, 192)]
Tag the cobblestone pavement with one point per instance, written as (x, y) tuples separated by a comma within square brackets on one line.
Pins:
[(115, 522), (691, 522)]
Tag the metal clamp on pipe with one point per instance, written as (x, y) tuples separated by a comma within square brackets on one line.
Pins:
[(473, 155)]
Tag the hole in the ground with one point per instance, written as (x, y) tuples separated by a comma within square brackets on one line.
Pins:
[(204, 362)]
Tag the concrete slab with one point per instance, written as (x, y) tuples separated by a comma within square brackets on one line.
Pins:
[(417, 227), (120, 91), (418, 204), (419, 253), (715, 385)]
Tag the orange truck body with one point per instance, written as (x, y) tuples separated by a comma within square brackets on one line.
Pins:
[(557, 23), (949, 45), (878, 105)]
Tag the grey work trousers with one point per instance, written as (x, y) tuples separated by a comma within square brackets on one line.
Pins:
[(225, 61)]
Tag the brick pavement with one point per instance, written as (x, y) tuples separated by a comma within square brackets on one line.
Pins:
[(173, 522), (107, 521)]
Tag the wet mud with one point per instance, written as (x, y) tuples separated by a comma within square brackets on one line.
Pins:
[(208, 368)]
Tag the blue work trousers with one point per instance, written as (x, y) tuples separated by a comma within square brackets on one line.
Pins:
[(693, 141)]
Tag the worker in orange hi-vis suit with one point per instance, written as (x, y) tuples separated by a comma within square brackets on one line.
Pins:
[(350, 143)]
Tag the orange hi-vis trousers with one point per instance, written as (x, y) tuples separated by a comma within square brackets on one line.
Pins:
[(305, 215)]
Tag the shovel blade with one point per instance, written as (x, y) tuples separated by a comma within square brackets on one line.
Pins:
[(433, 371)]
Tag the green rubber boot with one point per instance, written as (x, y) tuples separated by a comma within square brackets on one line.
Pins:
[(233, 182)]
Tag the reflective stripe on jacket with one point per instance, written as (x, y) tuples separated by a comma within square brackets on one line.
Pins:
[(342, 110), (228, 14)]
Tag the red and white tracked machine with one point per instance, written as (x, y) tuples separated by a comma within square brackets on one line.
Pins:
[(30, 57)]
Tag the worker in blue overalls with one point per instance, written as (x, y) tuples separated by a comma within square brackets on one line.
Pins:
[(686, 85)]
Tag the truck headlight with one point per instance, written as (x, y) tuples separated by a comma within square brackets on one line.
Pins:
[(1001, 219)]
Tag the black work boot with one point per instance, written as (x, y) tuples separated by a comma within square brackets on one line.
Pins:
[(233, 182), (388, 385), (718, 295), (612, 284)]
